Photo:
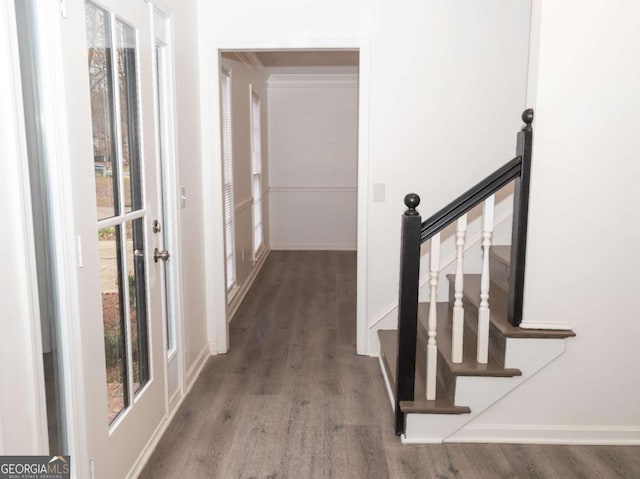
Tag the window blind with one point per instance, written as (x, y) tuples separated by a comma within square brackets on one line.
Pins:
[(257, 173), (227, 188)]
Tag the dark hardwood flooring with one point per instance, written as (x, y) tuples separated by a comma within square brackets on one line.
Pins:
[(293, 400)]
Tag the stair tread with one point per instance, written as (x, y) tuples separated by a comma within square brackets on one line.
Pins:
[(498, 303), (441, 405), (469, 365), (501, 253)]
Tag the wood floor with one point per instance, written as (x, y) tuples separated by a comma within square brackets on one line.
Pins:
[(293, 400)]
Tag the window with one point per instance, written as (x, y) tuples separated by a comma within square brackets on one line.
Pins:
[(227, 187), (256, 160)]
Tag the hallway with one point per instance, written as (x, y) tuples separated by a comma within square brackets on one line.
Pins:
[(293, 400)]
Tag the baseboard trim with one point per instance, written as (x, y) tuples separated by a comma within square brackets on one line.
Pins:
[(196, 368), (174, 400), (404, 440), (314, 247), (150, 447), (548, 434), (246, 286), (387, 383)]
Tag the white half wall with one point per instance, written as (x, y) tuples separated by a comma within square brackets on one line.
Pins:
[(313, 156)]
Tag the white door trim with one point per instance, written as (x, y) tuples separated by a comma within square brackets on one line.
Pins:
[(217, 325)]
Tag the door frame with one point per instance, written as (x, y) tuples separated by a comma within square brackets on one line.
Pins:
[(217, 310)]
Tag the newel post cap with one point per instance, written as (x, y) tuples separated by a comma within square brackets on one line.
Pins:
[(527, 117), (411, 201)]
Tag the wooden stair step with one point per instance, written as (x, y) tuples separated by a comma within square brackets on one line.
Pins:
[(501, 254), (441, 405), (469, 365), (498, 303), (500, 266)]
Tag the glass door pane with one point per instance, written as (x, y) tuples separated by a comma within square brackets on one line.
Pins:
[(137, 303), (128, 94), (113, 317), (112, 62), (99, 58)]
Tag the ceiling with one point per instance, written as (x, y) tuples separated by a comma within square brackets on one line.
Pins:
[(310, 61)]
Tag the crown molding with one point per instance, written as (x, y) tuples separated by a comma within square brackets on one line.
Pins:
[(253, 63), (306, 80)]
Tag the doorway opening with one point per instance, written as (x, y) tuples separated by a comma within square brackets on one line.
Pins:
[(290, 149)]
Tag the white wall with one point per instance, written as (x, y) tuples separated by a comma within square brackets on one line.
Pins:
[(313, 159), (247, 78), (190, 172), (582, 263), (447, 85)]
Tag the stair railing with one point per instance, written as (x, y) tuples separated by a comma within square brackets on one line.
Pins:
[(415, 232)]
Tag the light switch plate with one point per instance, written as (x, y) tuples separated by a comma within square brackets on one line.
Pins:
[(379, 192)]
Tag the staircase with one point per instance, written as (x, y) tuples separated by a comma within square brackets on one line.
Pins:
[(449, 361)]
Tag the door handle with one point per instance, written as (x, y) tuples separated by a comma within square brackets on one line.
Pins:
[(163, 255)]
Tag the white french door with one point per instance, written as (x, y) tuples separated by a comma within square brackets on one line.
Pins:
[(109, 51)]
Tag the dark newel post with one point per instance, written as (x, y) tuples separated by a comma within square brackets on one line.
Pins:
[(520, 216), (408, 306)]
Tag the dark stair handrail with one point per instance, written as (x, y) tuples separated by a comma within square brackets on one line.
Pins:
[(415, 233)]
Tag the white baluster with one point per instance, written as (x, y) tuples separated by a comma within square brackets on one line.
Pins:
[(458, 310), (432, 348), (484, 313)]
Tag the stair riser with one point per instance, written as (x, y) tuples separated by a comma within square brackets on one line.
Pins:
[(499, 273), (446, 380), (497, 342)]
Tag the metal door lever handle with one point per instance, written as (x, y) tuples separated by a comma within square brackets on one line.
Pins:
[(163, 255)]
